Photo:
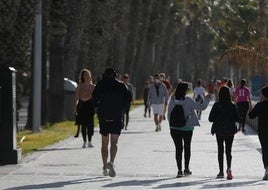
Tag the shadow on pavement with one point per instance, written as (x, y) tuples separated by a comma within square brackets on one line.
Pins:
[(59, 184), (136, 182), (225, 184)]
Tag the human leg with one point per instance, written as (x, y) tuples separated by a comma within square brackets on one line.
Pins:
[(240, 112), (245, 107), (264, 146), (187, 138), (127, 115), (78, 131), (113, 151), (84, 134), (177, 139), (220, 152), (104, 149), (228, 151)]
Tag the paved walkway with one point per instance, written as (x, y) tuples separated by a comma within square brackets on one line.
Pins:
[(145, 160)]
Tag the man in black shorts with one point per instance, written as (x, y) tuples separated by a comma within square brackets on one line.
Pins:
[(111, 97)]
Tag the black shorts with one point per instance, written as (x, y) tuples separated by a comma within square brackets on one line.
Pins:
[(111, 127)]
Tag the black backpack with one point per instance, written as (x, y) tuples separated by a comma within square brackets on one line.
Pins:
[(177, 117)]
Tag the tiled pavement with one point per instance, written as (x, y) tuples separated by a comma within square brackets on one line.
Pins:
[(145, 160)]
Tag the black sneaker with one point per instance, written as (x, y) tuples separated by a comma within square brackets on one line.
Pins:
[(220, 175), (187, 172), (179, 174)]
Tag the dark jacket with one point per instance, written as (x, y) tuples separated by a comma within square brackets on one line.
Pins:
[(111, 97), (224, 118), (260, 110)]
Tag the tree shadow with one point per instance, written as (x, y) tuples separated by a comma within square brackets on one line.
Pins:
[(136, 182), (59, 184)]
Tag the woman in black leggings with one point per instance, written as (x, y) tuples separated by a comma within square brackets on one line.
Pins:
[(224, 114), (182, 135)]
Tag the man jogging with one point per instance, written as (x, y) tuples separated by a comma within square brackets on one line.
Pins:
[(111, 97)]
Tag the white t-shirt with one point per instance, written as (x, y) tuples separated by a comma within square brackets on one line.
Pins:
[(199, 90)]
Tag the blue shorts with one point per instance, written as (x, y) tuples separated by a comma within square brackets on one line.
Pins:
[(111, 127)]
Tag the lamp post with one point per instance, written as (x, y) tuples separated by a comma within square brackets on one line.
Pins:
[(37, 69)]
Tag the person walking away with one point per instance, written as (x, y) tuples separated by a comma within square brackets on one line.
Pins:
[(243, 101), (166, 82), (260, 110), (84, 107), (157, 99), (199, 95), (230, 84), (182, 135), (224, 114), (145, 99), (131, 90), (210, 87), (110, 97)]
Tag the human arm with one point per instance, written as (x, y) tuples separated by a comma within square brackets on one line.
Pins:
[(213, 113), (76, 98), (254, 112)]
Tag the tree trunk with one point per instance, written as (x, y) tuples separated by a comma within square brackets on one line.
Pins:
[(56, 63)]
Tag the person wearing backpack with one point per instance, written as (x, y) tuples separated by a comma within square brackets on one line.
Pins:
[(181, 128)]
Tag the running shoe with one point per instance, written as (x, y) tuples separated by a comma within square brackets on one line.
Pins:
[(105, 171), (229, 174), (220, 175), (90, 145), (179, 174), (112, 172), (84, 145), (187, 172), (265, 175)]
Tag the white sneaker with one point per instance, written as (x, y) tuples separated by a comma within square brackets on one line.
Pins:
[(90, 145), (84, 145), (105, 171), (112, 172)]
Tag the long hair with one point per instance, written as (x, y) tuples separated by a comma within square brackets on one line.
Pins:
[(224, 95), (181, 90), (81, 78)]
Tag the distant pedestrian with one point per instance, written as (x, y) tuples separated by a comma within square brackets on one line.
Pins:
[(199, 95), (230, 84), (158, 99), (243, 101), (182, 135), (84, 106), (130, 88), (145, 99), (260, 110), (111, 97), (224, 114), (210, 87)]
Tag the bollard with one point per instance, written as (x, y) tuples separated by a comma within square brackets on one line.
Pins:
[(9, 154)]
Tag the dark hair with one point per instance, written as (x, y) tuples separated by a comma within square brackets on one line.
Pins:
[(181, 90), (224, 95), (199, 81), (109, 72), (264, 91), (243, 82)]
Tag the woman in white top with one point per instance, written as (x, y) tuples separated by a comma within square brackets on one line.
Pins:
[(199, 95)]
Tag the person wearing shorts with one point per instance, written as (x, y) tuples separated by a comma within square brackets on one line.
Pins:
[(110, 97), (157, 99)]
